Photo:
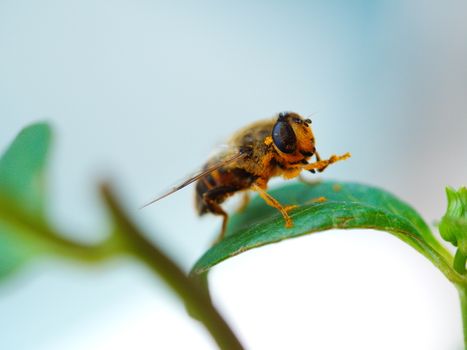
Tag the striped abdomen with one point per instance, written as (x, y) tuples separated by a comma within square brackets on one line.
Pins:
[(218, 185)]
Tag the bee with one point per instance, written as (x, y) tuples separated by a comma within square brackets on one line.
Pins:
[(281, 146)]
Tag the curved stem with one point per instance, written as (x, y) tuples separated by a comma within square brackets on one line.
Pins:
[(438, 260), (188, 290), (127, 239), (462, 289), (459, 262), (38, 232)]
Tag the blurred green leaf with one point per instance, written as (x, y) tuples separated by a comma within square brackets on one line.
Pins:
[(22, 182), (323, 206), (22, 167), (25, 233)]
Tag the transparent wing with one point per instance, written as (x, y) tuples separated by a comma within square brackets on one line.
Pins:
[(199, 174)]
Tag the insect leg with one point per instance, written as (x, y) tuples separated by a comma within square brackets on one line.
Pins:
[(318, 158), (211, 200), (245, 201), (320, 165), (270, 200)]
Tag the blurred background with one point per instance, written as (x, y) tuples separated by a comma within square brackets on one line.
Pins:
[(142, 91)]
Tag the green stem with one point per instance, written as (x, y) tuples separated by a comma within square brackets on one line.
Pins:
[(459, 262), (127, 239), (188, 290), (463, 299), (42, 235), (433, 255)]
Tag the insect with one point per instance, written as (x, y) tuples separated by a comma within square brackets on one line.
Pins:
[(280, 146)]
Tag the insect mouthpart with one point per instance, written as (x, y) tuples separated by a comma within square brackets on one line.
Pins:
[(307, 153)]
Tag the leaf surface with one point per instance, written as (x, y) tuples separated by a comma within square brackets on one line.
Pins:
[(22, 183), (321, 206)]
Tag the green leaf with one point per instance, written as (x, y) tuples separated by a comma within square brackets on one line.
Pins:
[(453, 225), (22, 167), (22, 178), (346, 206), (14, 251)]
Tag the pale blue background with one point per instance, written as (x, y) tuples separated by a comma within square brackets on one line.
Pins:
[(142, 90)]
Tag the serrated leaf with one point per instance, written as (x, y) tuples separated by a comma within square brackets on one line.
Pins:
[(22, 169), (322, 206)]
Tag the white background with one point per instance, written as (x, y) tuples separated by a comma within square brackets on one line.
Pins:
[(141, 91)]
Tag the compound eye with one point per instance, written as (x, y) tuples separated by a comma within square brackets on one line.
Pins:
[(284, 137)]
